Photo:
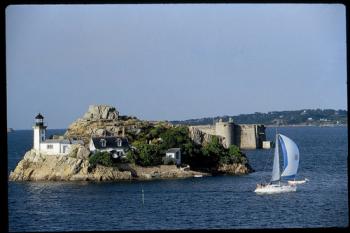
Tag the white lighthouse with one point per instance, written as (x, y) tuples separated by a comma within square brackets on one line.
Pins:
[(39, 131)]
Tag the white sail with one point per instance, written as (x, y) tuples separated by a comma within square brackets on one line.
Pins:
[(290, 156), (276, 164)]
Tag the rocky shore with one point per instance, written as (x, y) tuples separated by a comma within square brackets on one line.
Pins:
[(39, 167), (75, 167)]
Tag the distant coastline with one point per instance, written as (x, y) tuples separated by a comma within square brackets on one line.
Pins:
[(304, 117), (307, 125)]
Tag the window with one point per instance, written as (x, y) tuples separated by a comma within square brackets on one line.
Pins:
[(49, 146), (119, 142), (103, 142), (177, 155)]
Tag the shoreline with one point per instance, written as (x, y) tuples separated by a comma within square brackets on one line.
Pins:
[(320, 126), (42, 167)]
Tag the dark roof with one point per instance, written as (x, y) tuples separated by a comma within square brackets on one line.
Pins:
[(173, 150), (111, 142), (39, 116)]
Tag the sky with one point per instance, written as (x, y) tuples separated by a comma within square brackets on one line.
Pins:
[(172, 61)]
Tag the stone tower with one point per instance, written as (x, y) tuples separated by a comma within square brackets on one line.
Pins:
[(226, 130), (39, 132)]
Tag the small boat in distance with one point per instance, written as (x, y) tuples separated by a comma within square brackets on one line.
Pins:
[(290, 153), (198, 176)]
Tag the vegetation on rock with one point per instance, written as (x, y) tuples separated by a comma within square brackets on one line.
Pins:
[(152, 144), (150, 141), (102, 158)]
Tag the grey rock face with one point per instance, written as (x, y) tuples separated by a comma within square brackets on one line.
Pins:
[(83, 153), (100, 132), (101, 112), (201, 137)]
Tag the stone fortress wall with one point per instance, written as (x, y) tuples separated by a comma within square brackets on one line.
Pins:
[(245, 136)]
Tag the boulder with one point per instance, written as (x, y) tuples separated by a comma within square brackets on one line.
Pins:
[(235, 169), (100, 132), (101, 112), (83, 153)]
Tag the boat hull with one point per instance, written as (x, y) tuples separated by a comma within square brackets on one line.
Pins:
[(296, 182), (271, 189)]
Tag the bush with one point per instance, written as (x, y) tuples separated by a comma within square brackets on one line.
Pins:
[(234, 155), (131, 156), (102, 158), (146, 154), (214, 150)]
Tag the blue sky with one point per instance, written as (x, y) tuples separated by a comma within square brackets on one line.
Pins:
[(173, 62)]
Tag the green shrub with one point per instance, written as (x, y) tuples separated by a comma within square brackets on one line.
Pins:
[(131, 156), (146, 154), (102, 158), (234, 155)]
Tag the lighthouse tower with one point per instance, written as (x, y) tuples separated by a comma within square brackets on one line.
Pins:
[(39, 131)]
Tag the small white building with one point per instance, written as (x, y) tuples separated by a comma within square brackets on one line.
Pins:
[(267, 144), (174, 153), (117, 146), (50, 146)]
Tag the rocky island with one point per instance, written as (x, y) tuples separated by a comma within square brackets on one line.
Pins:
[(105, 146)]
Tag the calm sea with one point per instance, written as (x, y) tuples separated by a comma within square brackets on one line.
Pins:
[(194, 203)]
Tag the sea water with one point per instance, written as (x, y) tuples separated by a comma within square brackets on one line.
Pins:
[(221, 202)]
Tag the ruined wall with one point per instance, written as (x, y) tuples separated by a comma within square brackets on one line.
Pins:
[(225, 130), (245, 136), (250, 136)]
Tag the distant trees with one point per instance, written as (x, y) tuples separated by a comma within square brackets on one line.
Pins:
[(288, 117)]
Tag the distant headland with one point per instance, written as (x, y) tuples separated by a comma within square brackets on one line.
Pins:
[(104, 145), (304, 117)]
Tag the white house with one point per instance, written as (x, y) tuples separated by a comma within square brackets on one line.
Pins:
[(117, 146), (50, 146), (174, 153)]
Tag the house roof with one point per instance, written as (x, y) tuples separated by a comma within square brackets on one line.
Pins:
[(63, 141), (111, 142), (173, 150)]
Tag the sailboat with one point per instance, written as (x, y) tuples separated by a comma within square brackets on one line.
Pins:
[(290, 153)]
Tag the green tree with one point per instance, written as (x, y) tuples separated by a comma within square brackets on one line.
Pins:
[(147, 154), (213, 151), (234, 155), (102, 158)]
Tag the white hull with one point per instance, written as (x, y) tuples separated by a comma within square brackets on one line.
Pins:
[(275, 188), (297, 181)]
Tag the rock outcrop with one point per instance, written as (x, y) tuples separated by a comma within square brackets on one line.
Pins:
[(101, 112), (235, 169), (104, 120), (39, 166), (200, 137)]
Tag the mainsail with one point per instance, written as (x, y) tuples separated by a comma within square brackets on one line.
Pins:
[(276, 164), (290, 153)]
